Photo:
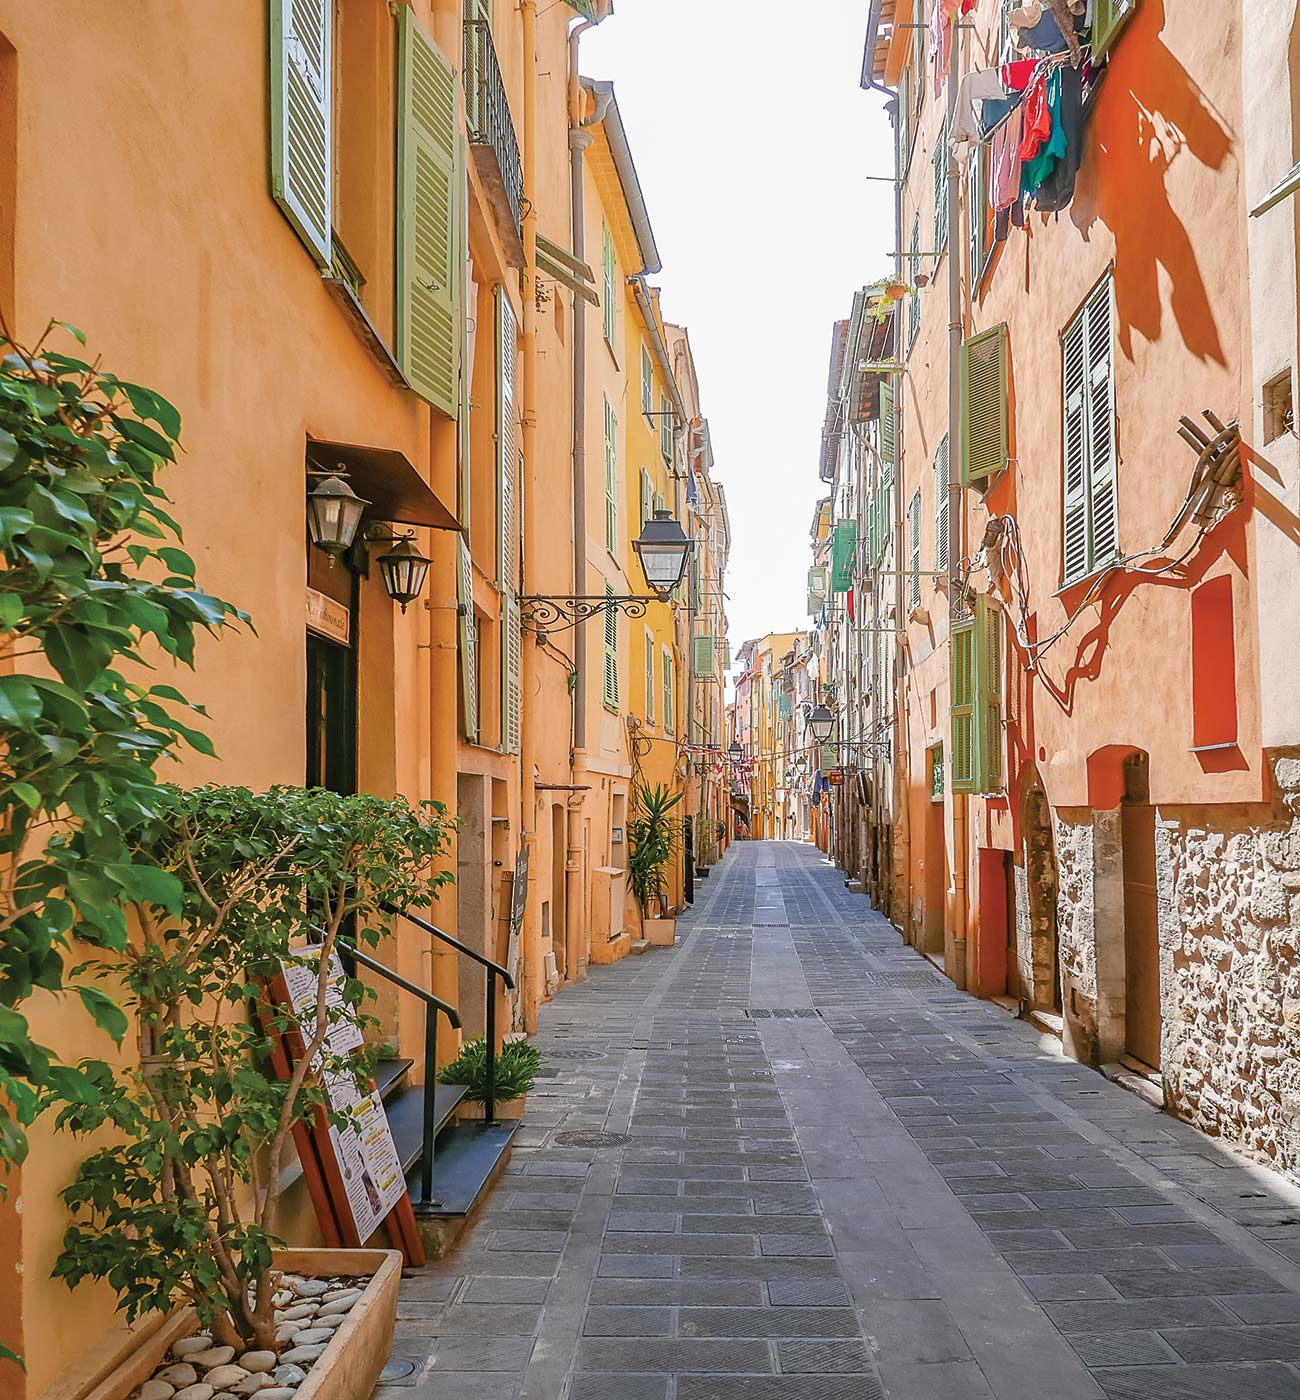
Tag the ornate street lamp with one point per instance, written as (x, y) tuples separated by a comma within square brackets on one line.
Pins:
[(821, 722), (662, 547), (735, 752), (404, 570), (333, 514)]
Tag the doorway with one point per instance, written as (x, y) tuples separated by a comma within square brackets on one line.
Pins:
[(1040, 962), (1142, 1017), (331, 715), (559, 889)]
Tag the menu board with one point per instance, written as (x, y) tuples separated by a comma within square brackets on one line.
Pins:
[(364, 1155)]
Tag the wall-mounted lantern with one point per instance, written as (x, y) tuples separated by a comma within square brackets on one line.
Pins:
[(334, 513), (821, 722), (404, 569)]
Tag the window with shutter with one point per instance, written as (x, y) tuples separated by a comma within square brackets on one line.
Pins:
[(977, 198), (511, 660), (976, 662), (647, 383), (607, 270), (982, 370), (611, 478), (647, 497), (704, 655), (1090, 526), (507, 450), (468, 642), (914, 270), (1108, 18), (649, 677), (669, 684), (940, 160), (941, 531), (430, 264), (919, 30), (903, 122), (611, 650), (843, 552), (302, 136), (914, 551), (656, 502), (666, 427)]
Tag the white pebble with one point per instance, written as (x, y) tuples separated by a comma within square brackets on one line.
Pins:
[(287, 1331), (340, 1304), (289, 1375), (277, 1392), (311, 1288), (299, 1354), (155, 1390), (214, 1356), (258, 1361), (181, 1374), (298, 1312), (252, 1384), (187, 1346), (333, 1323), (310, 1336), (196, 1392), (223, 1377)]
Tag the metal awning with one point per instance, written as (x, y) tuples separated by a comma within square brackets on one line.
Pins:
[(387, 479)]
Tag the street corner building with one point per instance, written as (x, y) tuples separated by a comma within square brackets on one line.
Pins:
[(1053, 586), (392, 263)]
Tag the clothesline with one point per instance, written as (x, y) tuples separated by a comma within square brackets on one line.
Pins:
[(1047, 61)]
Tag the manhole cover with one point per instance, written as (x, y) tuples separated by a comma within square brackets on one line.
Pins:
[(397, 1371), (574, 1054), (590, 1137)]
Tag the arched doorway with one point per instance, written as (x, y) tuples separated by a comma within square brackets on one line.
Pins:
[(1038, 959)]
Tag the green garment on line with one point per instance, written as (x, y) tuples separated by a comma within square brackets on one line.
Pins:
[(1034, 172)]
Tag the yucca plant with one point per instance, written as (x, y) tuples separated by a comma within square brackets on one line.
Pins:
[(652, 835), (516, 1069)]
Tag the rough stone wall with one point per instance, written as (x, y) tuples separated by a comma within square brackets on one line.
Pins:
[(1075, 933)]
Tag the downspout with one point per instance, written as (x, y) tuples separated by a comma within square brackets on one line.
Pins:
[(956, 543)]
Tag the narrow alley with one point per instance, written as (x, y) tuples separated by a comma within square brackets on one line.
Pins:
[(788, 1160)]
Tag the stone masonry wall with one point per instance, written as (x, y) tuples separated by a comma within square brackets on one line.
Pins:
[(1075, 934)]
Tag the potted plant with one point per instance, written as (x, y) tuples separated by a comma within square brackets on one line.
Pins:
[(513, 1075), (180, 1210), (652, 834)]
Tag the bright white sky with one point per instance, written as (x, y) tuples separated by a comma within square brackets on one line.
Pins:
[(751, 138)]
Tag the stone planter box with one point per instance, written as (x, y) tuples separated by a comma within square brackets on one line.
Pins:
[(661, 932), (473, 1112), (349, 1367)]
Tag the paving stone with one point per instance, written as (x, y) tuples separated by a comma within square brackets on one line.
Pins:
[(849, 1387), (1122, 1349), (482, 1353), (504, 1290), (824, 1358), (628, 1322), (1275, 1343), (1263, 1381), (622, 1387), (674, 1356), (768, 1322), (1264, 1307), (815, 1292), (1204, 1282), (653, 1292), (1156, 1313)]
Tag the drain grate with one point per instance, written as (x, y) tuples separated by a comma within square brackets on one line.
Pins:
[(574, 1054), (903, 979), (397, 1370), (590, 1137), (782, 1013)]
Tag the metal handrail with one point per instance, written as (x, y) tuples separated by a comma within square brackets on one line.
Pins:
[(375, 965), (454, 942), (487, 111), (494, 970)]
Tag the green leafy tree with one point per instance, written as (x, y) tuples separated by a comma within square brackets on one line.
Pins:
[(183, 1205), (652, 835), (91, 575)]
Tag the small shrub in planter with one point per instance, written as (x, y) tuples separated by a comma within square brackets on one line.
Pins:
[(183, 1205), (516, 1069), (652, 835)]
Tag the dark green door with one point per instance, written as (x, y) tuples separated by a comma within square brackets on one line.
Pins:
[(331, 715)]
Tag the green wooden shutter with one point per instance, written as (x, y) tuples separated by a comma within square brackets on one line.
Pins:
[(940, 161), (666, 427), (961, 681), (468, 642), (978, 201), (984, 433), (903, 122), (656, 502), (647, 497), (611, 650), (914, 550), (704, 656), (302, 134), (666, 666), (507, 450), (430, 269), (511, 659), (1109, 17), (1074, 552), (607, 269), (888, 428), (843, 550), (913, 271), (647, 383), (1103, 505), (611, 478), (941, 523)]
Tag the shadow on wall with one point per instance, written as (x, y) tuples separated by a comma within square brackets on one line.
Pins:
[(1150, 114)]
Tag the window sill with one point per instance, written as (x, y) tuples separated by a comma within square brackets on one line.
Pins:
[(1093, 574), (365, 329)]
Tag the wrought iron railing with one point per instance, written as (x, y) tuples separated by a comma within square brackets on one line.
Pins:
[(487, 112)]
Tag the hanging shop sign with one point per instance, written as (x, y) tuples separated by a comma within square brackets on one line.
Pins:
[(329, 618), (835, 777)]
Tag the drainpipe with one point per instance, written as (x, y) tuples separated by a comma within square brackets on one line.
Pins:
[(532, 930), (957, 537)]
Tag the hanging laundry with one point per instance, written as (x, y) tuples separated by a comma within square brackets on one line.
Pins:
[(1038, 117), (941, 23), (1004, 162), (1043, 37), (1037, 167), (1017, 76), (849, 604), (1056, 189), (969, 123)]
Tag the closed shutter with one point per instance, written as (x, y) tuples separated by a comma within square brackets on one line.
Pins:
[(607, 270), (704, 656), (429, 263), (903, 120), (984, 432), (914, 551), (888, 429), (962, 706), (666, 663), (647, 383), (647, 497), (512, 643), (1103, 507), (913, 272), (941, 530), (665, 428), (611, 650), (302, 137), (1108, 18), (656, 503), (940, 159), (817, 582), (1075, 442), (843, 551), (468, 642), (507, 450), (919, 27), (978, 202), (611, 478)]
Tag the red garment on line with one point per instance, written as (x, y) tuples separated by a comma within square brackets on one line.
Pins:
[(850, 605), (1038, 118), (1016, 76)]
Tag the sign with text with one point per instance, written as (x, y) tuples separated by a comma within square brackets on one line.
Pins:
[(328, 618)]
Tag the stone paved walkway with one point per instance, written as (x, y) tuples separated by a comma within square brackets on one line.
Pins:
[(834, 1177)]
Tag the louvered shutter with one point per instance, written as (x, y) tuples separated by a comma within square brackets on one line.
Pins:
[(914, 551), (817, 581), (468, 642), (843, 551), (913, 271), (302, 137), (507, 449), (941, 527), (611, 478), (903, 120), (429, 263), (1103, 505), (988, 717), (1075, 441), (647, 383), (726, 655), (666, 664), (978, 201), (940, 160), (512, 644), (665, 428), (919, 28), (611, 650), (962, 705), (1108, 18), (888, 428), (983, 378), (704, 656), (607, 270)]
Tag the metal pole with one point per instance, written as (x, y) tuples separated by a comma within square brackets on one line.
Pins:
[(489, 1102), (430, 1104)]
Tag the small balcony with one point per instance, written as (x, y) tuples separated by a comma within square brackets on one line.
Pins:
[(492, 135)]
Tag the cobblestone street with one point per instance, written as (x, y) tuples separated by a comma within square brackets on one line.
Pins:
[(787, 1160)]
